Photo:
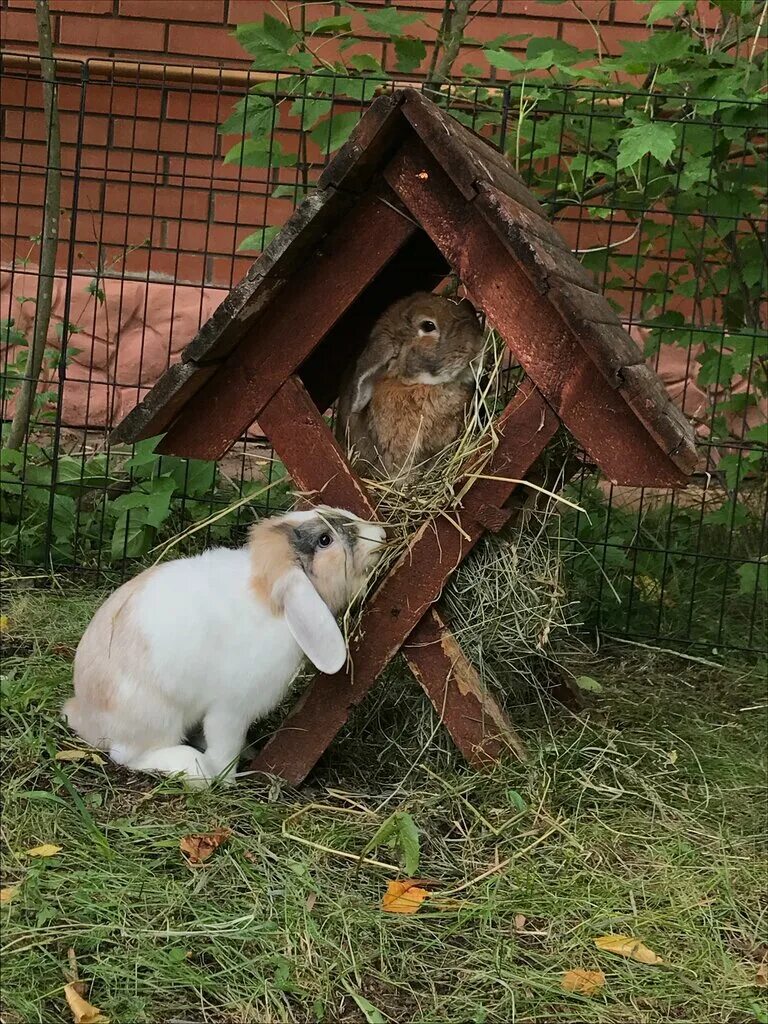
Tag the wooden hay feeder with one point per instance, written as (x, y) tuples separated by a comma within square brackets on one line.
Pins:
[(411, 196)]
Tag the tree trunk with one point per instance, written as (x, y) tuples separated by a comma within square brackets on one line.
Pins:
[(49, 236)]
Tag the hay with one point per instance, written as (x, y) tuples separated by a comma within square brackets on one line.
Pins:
[(506, 602)]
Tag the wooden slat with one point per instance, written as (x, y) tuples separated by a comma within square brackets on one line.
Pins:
[(545, 343), (289, 329), (407, 593), (369, 145), (157, 410), (466, 158), (450, 681)]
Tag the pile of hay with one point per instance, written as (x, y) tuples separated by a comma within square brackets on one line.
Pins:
[(506, 602)]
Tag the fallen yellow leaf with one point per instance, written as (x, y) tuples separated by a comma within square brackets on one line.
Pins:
[(761, 976), (7, 894), (46, 850), (3, 623), (82, 1011), (625, 945), (585, 983), (79, 755), (403, 897), (197, 849)]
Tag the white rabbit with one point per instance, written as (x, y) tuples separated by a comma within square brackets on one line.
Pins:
[(217, 639)]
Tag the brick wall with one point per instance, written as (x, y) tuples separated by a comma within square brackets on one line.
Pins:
[(153, 196), (199, 31)]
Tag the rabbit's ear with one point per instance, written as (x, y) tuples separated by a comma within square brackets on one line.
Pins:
[(373, 359), (311, 623)]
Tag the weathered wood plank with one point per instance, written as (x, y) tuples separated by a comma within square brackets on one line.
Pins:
[(547, 344), (466, 157), (458, 696), (372, 140), (643, 391), (407, 594), (154, 413), (289, 329)]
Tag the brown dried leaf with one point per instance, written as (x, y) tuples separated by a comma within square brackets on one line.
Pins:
[(311, 901), (46, 850), (520, 921), (585, 983), (403, 897), (7, 894), (79, 755), (761, 975), (625, 945), (198, 849), (81, 1009)]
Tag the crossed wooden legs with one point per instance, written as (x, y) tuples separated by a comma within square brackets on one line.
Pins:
[(400, 613)]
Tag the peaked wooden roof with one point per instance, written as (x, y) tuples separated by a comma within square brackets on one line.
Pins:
[(487, 225)]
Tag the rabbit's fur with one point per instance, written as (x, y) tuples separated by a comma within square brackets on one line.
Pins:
[(407, 395), (217, 639)]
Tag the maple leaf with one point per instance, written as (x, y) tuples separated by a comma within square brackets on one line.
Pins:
[(403, 897), (81, 1009), (585, 983), (197, 849), (625, 945)]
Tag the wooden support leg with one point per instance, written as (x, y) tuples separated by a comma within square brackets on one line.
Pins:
[(413, 585)]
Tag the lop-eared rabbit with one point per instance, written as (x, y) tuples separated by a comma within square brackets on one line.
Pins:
[(217, 639)]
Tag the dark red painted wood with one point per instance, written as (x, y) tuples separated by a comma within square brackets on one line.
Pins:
[(593, 410), (409, 590), (289, 329)]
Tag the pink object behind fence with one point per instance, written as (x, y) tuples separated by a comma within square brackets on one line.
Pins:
[(126, 341)]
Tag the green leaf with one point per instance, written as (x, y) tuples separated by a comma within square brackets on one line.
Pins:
[(388, 21), (655, 138), (386, 831), (258, 240), (262, 152), (663, 9), (132, 537), (408, 841), (588, 684), (516, 800), (410, 53), (364, 62), (504, 60), (334, 133), (368, 1010), (753, 578), (251, 115), (336, 23), (310, 110), (759, 434)]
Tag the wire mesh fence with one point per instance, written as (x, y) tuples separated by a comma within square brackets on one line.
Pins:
[(174, 179)]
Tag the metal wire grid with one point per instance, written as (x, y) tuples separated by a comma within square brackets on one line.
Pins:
[(144, 138)]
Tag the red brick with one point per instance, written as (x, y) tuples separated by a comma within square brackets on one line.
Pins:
[(118, 34), (223, 272), (32, 124), (205, 42), (176, 10), (17, 27), (161, 202), (203, 107), (250, 10), (484, 28), (82, 6), (251, 209), (165, 136)]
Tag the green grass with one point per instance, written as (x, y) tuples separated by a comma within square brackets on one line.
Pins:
[(644, 814)]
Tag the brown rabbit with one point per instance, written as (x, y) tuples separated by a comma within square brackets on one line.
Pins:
[(408, 393)]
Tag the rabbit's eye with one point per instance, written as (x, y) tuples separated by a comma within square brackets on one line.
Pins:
[(428, 326), (324, 540)]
